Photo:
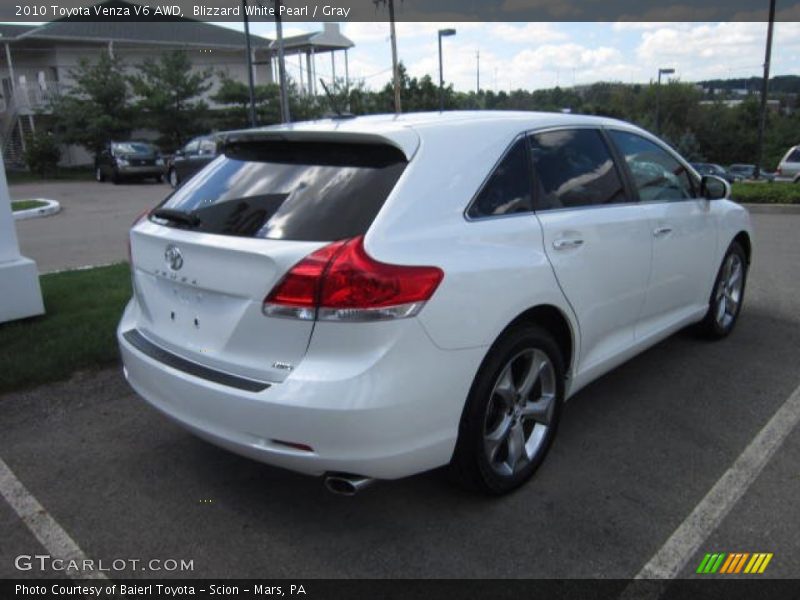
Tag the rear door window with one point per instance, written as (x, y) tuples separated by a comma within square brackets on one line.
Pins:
[(794, 156), (305, 191), (574, 168)]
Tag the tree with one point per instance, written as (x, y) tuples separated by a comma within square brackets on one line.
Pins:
[(97, 107), (168, 93)]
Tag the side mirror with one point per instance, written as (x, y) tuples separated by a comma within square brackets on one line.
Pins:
[(714, 188)]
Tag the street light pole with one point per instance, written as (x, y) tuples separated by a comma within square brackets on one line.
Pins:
[(658, 97), (442, 33)]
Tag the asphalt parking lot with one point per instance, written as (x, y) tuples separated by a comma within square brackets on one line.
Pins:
[(637, 451), (92, 227)]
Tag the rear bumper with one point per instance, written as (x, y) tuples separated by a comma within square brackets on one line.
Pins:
[(387, 414)]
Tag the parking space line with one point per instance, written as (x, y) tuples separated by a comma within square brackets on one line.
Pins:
[(50, 534), (686, 540)]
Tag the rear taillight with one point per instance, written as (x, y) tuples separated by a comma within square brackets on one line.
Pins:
[(138, 220), (341, 282)]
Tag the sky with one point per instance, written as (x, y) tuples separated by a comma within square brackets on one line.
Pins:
[(543, 55)]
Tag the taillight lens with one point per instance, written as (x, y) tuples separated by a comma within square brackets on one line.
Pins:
[(138, 220), (341, 282)]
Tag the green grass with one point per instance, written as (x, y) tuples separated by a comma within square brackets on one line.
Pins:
[(63, 174), (767, 193), (27, 204), (78, 332)]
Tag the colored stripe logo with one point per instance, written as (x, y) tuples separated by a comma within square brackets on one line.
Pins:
[(734, 563)]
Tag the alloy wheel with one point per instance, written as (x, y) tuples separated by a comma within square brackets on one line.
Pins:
[(728, 294), (519, 412)]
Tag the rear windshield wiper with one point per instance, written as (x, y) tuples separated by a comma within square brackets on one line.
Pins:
[(179, 216)]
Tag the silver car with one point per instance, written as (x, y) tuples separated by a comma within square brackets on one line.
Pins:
[(789, 167)]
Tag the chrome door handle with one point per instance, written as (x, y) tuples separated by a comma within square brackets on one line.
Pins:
[(565, 244), (659, 231)]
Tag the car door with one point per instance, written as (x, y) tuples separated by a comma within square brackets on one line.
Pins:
[(682, 227), (596, 237), (183, 163)]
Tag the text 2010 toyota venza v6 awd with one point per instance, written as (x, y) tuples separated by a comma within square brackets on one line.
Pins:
[(374, 297)]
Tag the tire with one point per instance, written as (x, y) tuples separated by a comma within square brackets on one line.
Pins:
[(159, 178), (499, 417), (172, 178), (727, 295), (99, 176)]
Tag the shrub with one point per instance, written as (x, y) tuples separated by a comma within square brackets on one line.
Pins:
[(42, 153), (767, 193)]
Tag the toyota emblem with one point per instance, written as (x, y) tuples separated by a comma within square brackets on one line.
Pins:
[(173, 257)]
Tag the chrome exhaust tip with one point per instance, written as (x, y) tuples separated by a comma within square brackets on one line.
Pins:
[(345, 484)]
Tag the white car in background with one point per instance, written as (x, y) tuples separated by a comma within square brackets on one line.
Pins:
[(376, 297)]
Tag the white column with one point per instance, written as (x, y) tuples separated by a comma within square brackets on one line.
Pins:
[(309, 73), (20, 295)]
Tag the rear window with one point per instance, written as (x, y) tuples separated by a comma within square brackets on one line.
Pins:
[(304, 191), (132, 148)]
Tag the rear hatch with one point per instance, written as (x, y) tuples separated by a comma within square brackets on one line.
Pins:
[(206, 258)]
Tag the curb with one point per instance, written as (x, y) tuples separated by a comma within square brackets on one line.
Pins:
[(773, 209), (51, 208)]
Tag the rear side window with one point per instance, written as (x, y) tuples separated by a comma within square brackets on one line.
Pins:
[(574, 168), (657, 175), (508, 189), (304, 191), (794, 156)]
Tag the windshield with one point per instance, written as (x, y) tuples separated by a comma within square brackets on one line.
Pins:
[(132, 148), (289, 190)]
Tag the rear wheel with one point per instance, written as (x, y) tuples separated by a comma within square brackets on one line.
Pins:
[(512, 412), (727, 296), (115, 178)]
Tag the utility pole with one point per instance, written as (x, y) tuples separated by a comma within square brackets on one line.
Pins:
[(250, 84), (762, 120), (285, 116), (478, 72), (395, 68)]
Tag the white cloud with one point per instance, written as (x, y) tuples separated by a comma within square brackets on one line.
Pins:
[(526, 33)]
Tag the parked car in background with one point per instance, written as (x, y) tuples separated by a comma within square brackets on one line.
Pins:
[(789, 167), (303, 302), (748, 172), (191, 158), (715, 169), (129, 160)]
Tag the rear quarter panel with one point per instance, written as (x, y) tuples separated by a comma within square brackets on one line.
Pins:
[(495, 269)]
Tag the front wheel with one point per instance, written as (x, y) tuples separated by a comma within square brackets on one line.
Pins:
[(727, 296), (512, 412)]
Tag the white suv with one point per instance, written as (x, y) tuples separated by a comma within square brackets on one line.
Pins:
[(789, 167), (375, 297)]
